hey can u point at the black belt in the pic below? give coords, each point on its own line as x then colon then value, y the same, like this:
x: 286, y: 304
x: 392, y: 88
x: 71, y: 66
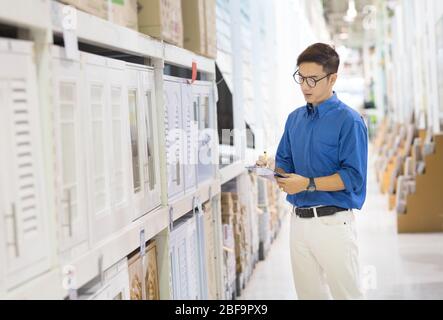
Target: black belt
x: 321, y: 211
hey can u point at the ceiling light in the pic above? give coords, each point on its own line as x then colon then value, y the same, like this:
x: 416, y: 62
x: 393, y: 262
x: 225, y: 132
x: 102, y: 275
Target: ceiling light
x: 351, y: 14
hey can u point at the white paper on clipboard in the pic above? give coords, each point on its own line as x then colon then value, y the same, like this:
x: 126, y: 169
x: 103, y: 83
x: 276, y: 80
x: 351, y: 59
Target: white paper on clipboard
x: 264, y: 172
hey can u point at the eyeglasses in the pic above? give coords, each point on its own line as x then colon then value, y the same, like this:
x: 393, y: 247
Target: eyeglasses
x: 311, y: 82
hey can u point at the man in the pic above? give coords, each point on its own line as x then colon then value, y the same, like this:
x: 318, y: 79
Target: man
x: 323, y: 156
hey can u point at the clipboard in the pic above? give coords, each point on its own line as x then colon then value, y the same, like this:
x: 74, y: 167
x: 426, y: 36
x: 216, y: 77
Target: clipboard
x: 265, y: 172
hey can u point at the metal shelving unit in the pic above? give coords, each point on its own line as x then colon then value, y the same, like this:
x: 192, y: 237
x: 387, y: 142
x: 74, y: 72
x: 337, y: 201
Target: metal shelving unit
x: 185, y: 204
x: 232, y: 171
x: 44, y: 18
x: 22, y: 13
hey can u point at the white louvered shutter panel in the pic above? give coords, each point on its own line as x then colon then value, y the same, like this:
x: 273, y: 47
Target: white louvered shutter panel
x: 209, y: 246
x: 206, y: 109
x: 190, y: 127
x: 193, y: 259
x: 183, y: 269
x: 173, y: 126
x: 25, y: 241
x: 174, y: 264
x: 201, y: 254
x: 180, y: 262
x: 26, y: 210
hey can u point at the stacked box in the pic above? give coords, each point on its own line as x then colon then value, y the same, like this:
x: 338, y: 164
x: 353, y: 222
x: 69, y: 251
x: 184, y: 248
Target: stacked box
x: 199, y: 26
x: 162, y: 19
x: 262, y: 197
x: 226, y: 201
x: 264, y: 232
x: 227, y: 208
x: 242, y: 240
x: 135, y: 278
x: 232, y: 215
x: 124, y: 13
x: 272, y: 207
x: 210, y: 250
x: 237, y: 214
x: 211, y: 28
x: 97, y: 8
x: 253, y: 204
x: 143, y: 274
x: 229, y: 253
x: 151, y: 272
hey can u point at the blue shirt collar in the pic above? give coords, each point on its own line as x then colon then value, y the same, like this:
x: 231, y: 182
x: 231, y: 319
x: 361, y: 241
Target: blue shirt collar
x: 323, y: 107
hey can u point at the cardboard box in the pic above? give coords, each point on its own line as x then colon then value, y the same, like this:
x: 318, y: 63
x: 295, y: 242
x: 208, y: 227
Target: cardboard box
x: 227, y: 220
x: 194, y: 29
x: 226, y: 197
x: 124, y: 13
x: 226, y: 201
x: 135, y: 278
x: 211, y: 29
x: 424, y: 211
x: 162, y: 19
x: 143, y: 274
x: 210, y: 249
x: 151, y: 273
x: 199, y: 27
x: 227, y: 208
x: 97, y: 8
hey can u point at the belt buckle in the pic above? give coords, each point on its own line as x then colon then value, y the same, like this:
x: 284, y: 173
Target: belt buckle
x: 314, y: 209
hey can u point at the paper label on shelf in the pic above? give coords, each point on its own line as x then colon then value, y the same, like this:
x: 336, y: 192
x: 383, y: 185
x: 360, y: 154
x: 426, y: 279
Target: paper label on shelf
x: 142, y: 242
x: 194, y: 72
x: 69, y: 24
x: 71, y: 44
x: 69, y: 18
x: 69, y: 281
x: 200, y: 207
x: 215, y: 92
x: 171, y: 218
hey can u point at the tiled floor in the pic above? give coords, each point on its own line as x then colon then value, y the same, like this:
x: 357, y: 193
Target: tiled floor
x: 405, y: 266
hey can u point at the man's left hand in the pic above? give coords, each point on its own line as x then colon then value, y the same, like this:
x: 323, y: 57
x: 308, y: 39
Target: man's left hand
x: 293, y: 183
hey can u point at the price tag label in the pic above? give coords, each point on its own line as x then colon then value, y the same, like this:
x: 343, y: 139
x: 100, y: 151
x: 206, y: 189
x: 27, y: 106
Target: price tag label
x: 69, y: 24
x: 142, y: 242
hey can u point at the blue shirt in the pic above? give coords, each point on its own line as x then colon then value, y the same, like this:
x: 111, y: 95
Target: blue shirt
x: 321, y: 141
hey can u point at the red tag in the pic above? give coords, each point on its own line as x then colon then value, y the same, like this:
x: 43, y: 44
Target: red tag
x: 194, y: 72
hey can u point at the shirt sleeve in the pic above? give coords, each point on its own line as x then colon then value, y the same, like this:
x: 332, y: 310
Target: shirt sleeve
x: 283, y: 158
x: 353, y: 155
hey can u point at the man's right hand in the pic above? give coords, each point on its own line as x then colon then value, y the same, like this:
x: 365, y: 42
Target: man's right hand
x: 264, y: 161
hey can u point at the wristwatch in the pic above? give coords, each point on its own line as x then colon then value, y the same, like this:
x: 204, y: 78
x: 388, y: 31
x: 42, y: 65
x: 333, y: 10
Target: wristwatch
x: 311, y: 186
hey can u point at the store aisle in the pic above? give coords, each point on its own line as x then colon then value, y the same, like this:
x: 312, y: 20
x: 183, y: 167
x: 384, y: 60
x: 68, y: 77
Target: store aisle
x: 272, y: 278
x: 405, y: 266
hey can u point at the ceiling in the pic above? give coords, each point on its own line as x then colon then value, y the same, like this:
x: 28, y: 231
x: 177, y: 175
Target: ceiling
x: 350, y: 34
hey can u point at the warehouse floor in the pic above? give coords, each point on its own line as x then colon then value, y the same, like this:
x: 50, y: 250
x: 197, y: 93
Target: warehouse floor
x: 405, y: 266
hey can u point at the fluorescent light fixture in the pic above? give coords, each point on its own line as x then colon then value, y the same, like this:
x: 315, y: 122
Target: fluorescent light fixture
x: 351, y: 14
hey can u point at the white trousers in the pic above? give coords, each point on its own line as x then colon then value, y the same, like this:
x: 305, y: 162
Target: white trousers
x: 324, y: 255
